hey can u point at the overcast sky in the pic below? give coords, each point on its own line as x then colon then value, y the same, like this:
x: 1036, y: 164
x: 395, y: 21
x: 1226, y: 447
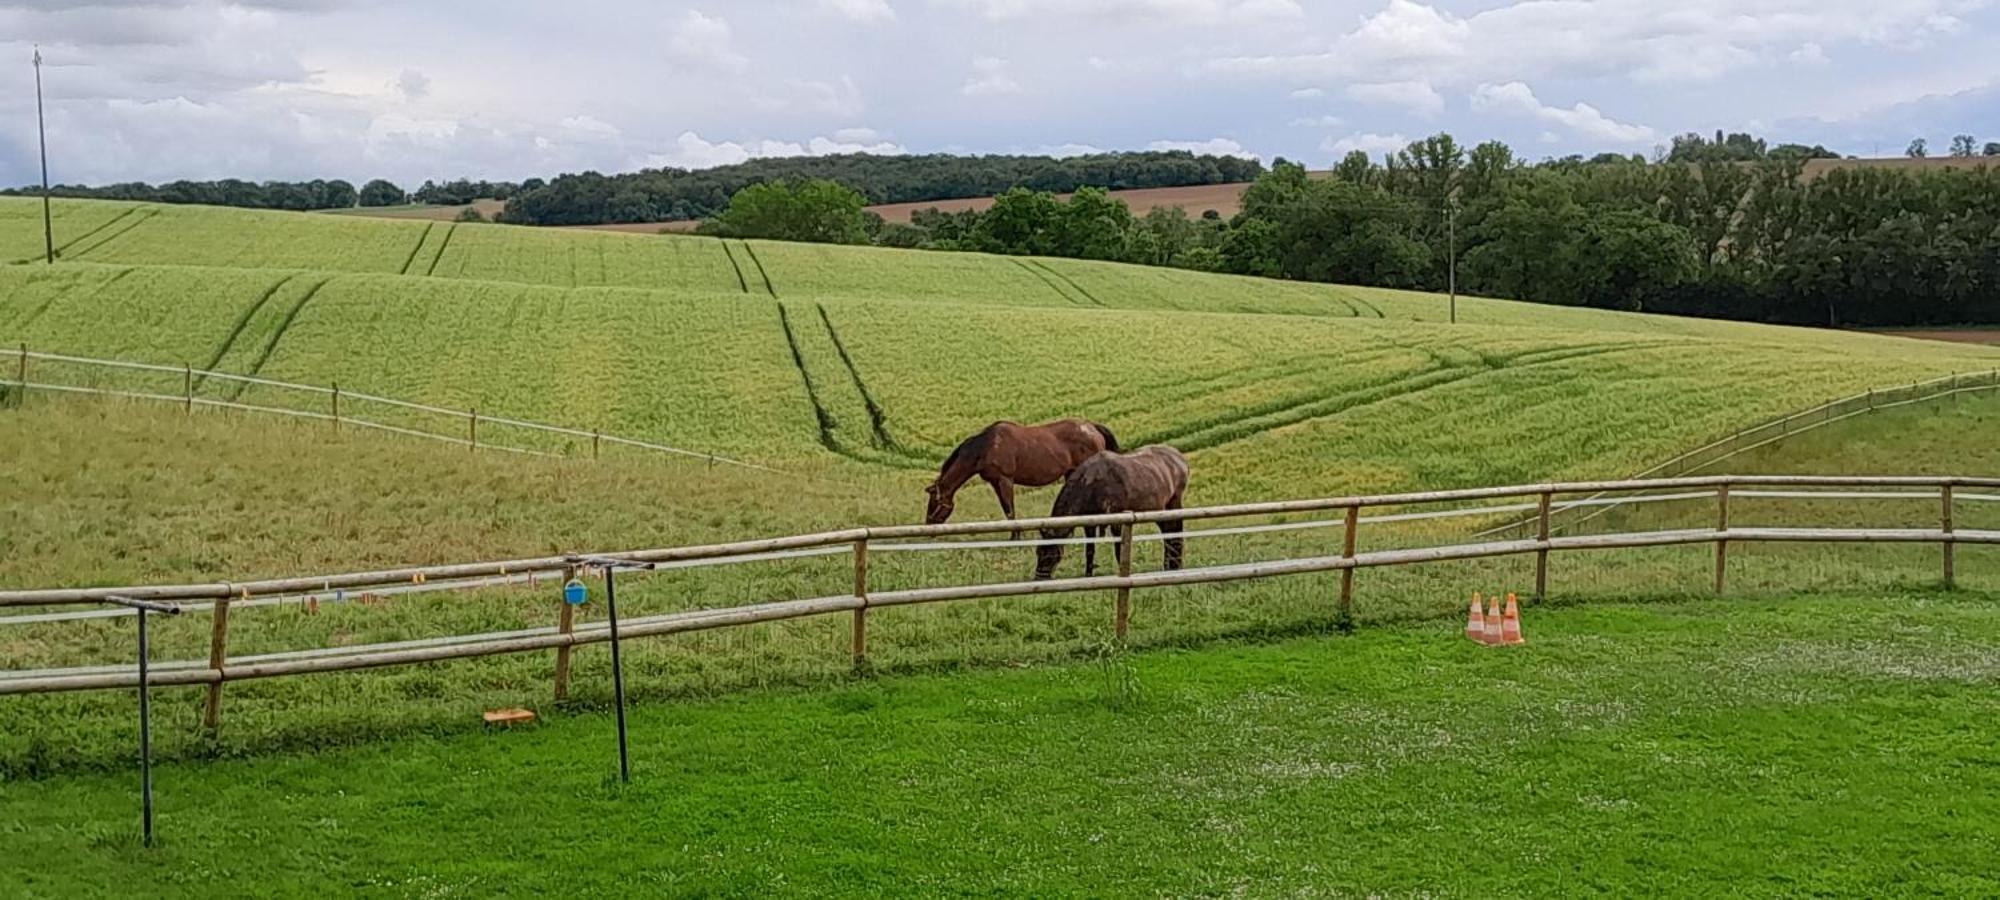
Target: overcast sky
x: 161, y: 89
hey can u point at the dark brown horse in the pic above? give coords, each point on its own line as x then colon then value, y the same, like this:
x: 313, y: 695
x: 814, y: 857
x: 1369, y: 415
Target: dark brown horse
x: 1147, y: 479
x: 1009, y: 453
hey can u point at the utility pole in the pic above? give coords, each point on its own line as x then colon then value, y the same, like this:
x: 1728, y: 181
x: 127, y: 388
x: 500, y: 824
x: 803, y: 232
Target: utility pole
x: 1451, y: 255
x: 42, y: 132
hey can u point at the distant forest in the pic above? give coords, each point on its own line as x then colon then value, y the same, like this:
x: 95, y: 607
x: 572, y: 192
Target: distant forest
x: 664, y: 195
x: 1722, y: 227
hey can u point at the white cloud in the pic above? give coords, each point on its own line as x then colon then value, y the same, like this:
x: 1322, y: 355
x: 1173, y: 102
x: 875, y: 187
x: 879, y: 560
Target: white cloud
x: 1681, y: 42
x: 1415, y: 97
x: 412, y: 84
x: 989, y: 78
x: 1145, y: 12
x: 1311, y: 93
x: 692, y: 151
x: 1808, y: 54
x: 1371, y: 144
x: 1583, y: 119
x: 1318, y: 122
x: 1063, y: 151
x: 867, y: 11
x: 704, y: 40
x: 1210, y: 147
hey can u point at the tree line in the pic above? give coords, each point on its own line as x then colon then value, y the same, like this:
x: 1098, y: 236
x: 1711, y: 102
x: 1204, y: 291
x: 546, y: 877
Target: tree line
x: 1719, y: 228
x: 317, y: 194
x: 669, y: 194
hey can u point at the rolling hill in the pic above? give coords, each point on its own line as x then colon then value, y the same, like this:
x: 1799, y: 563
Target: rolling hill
x: 814, y: 354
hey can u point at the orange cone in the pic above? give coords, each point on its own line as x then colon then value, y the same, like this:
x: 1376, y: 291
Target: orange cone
x: 1490, y: 634
x: 1510, y: 623
x: 1475, y: 620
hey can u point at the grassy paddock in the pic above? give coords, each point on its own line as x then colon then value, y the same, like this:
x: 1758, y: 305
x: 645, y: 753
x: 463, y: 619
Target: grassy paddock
x: 1811, y: 745
x: 375, y: 500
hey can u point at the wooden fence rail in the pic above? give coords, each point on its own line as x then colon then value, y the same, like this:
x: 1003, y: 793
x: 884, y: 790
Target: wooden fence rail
x: 218, y: 669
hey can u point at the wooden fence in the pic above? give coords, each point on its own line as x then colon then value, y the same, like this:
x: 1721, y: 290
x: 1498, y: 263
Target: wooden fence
x: 329, y: 403
x: 220, y: 668
x: 1778, y: 429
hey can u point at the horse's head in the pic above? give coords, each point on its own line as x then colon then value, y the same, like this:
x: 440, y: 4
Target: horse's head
x: 940, y: 506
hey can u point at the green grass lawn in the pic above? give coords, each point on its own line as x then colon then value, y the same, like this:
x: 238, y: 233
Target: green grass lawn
x: 1814, y: 745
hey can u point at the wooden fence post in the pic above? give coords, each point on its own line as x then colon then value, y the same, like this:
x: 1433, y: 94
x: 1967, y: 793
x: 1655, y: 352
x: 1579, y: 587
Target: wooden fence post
x: 1721, y: 545
x: 596, y: 438
x: 1542, y: 555
x: 187, y: 388
x: 472, y: 430
x: 565, y: 624
x: 1123, y: 618
x: 1345, y: 620
x: 860, y: 636
x: 336, y: 406
x: 1950, y: 545
x: 218, y: 653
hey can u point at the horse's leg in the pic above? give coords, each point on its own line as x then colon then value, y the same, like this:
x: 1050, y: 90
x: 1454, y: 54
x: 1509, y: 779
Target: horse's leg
x: 1173, y: 526
x: 1004, y: 489
x: 1090, y: 551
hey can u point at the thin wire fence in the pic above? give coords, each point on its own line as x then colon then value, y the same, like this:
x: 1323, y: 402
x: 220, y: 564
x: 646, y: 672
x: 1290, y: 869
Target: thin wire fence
x: 1567, y: 515
x: 189, y: 388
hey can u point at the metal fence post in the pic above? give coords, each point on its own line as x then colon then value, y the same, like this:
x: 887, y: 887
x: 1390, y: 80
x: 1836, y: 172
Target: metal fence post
x: 1950, y: 544
x: 1345, y: 621
x: 187, y: 388
x: 336, y: 406
x: 860, y: 635
x: 21, y: 375
x: 472, y: 429
x: 1721, y: 544
x: 1542, y: 554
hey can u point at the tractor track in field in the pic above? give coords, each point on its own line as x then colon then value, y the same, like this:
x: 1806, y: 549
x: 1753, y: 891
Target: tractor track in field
x: 1272, y: 416
x: 242, y: 322
x: 116, y: 233
x: 64, y: 292
x: 1044, y: 279
x: 1065, y: 279
x: 276, y: 336
x: 1157, y: 395
x: 878, y: 419
x: 412, y: 258
x: 824, y: 419
x: 1351, y: 300
x: 452, y: 229
x: 761, y: 271
x: 742, y: 284
x: 63, y: 247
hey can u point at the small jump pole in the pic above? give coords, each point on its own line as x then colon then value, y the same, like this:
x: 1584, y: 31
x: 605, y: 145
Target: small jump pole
x: 611, y: 567
x: 145, y: 706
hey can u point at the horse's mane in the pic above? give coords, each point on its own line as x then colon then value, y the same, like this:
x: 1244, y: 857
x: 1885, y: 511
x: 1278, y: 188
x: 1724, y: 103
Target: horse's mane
x: 970, y: 449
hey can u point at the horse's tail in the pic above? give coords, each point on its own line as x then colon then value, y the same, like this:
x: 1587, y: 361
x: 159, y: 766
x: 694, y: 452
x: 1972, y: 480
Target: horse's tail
x: 1110, y: 440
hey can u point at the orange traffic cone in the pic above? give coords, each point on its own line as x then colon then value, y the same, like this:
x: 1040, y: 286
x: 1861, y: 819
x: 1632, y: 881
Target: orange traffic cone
x: 1490, y: 634
x: 1510, y: 623
x: 1475, y: 620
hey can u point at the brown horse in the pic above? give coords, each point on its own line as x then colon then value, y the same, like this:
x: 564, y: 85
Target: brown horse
x: 1147, y: 479
x: 1008, y: 453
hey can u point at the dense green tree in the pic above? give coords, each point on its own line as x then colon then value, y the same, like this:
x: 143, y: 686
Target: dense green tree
x: 814, y: 210
x: 1020, y: 221
x: 1964, y: 145
x: 1918, y: 149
